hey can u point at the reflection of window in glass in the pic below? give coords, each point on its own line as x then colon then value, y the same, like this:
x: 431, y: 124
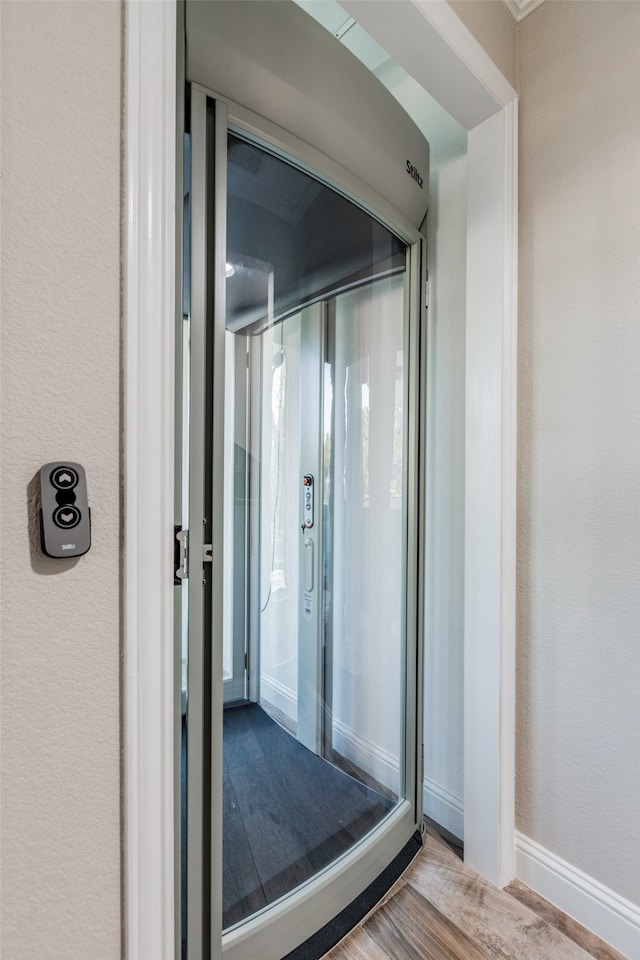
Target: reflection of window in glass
x: 397, y: 474
x: 327, y: 430
x: 364, y: 428
x: 278, y: 400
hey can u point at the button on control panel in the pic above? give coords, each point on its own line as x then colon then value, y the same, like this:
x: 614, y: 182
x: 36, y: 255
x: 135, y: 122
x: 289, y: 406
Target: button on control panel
x: 307, y: 501
x: 65, y: 518
x: 64, y: 478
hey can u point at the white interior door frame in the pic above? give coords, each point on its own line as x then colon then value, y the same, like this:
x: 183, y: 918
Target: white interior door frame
x: 454, y: 69
x: 149, y: 459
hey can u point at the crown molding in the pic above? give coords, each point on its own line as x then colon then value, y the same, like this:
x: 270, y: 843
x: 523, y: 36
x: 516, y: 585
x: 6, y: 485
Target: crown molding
x: 519, y: 9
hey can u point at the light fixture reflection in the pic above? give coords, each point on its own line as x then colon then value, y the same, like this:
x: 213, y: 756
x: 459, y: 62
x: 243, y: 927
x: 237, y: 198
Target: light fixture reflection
x: 228, y: 270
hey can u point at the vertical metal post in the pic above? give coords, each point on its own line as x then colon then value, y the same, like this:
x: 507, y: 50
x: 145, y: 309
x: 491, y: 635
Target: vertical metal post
x: 421, y: 498
x: 195, y: 685
x: 216, y: 261
x: 310, y: 658
x: 413, y: 520
x: 181, y: 405
x: 206, y: 493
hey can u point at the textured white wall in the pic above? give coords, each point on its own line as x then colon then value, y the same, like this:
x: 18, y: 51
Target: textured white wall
x: 578, y: 734
x: 494, y: 28
x: 61, y: 135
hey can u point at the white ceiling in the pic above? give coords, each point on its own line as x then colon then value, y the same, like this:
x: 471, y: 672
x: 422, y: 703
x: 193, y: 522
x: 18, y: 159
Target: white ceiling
x: 519, y: 9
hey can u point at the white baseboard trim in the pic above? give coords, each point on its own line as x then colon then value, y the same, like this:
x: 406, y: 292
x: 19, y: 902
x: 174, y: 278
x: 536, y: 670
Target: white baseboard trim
x: 444, y: 807
x: 599, y: 909
x: 366, y: 754
x: 279, y: 696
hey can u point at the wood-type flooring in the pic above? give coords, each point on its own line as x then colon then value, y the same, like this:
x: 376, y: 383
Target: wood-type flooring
x: 441, y: 910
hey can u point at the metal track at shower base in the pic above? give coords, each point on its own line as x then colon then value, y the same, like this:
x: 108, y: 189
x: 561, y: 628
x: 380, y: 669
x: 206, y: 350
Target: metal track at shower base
x: 334, y: 931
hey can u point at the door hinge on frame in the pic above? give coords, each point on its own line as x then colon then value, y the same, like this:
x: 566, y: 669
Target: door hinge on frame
x: 427, y: 291
x: 180, y: 555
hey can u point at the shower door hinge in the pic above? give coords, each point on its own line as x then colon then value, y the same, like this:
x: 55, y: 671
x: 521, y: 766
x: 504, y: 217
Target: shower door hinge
x: 427, y: 290
x: 180, y: 555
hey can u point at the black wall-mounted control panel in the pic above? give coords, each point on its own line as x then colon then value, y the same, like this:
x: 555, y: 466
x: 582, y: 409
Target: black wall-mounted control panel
x: 65, y: 518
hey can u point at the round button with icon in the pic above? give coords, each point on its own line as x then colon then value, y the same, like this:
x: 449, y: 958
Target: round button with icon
x: 64, y: 478
x: 66, y: 517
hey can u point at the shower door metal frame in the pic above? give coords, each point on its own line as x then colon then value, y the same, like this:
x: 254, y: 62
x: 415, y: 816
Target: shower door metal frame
x: 280, y: 927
